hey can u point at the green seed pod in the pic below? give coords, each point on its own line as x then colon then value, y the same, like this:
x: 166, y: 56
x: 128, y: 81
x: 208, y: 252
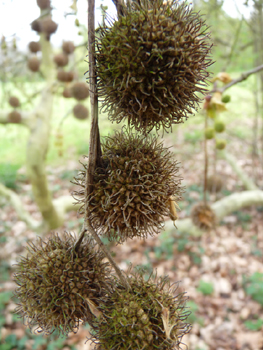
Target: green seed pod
x: 220, y: 144
x: 50, y: 296
x: 140, y: 204
x: 152, y: 62
x: 219, y: 126
x: 148, y: 316
x: 226, y: 98
x: 203, y: 216
x: 209, y: 133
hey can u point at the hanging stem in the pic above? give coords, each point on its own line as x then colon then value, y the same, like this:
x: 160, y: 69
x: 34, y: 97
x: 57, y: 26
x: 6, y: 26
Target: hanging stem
x: 206, y: 162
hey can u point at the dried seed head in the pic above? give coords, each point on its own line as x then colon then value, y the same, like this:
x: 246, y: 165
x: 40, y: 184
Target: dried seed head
x: 132, y: 188
x: 14, y: 117
x: 34, y: 46
x: 14, y: 102
x: 61, y: 60
x: 203, y: 216
x: 148, y: 316
x: 54, y: 282
x: 151, y: 62
x: 68, y: 47
x: 80, y: 91
x: 33, y: 64
x: 80, y: 111
x: 214, y: 183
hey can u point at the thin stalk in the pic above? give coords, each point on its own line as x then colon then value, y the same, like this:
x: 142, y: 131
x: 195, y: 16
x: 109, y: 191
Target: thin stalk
x: 206, y: 163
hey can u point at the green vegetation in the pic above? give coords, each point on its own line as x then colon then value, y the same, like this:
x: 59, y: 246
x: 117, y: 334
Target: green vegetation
x: 205, y: 288
x: 254, y: 287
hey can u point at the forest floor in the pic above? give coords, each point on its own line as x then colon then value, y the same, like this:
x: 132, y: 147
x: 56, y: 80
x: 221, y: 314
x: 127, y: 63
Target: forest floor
x: 221, y: 271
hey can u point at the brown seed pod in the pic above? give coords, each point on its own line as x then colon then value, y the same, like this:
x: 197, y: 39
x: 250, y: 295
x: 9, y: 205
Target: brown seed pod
x: 14, y: 102
x: 67, y: 93
x: 203, y: 216
x: 68, y: 47
x: 33, y: 64
x: 80, y: 111
x: 61, y: 60
x: 14, y: 117
x: 36, y: 25
x: 43, y: 4
x: 80, y: 91
x: 56, y: 283
x: 65, y: 77
x: 214, y: 183
x: 151, y: 315
x: 48, y: 26
x: 34, y: 46
x: 152, y: 62
x: 132, y: 187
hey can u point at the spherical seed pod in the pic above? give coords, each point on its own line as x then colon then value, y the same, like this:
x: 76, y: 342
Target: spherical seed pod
x: 14, y: 101
x: 43, y: 4
x: 61, y: 60
x: 65, y: 77
x: 80, y: 111
x: 226, y: 98
x: 148, y: 316
x: 214, y: 183
x: 209, y: 133
x: 80, y: 91
x: 67, y: 93
x: 220, y: 144
x: 68, y: 47
x: 33, y: 64
x: 14, y: 117
x: 132, y: 187
x: 203, y: 216
x: 36, y: 25
x: 56, y: 283
x: 156, y: 64
x: 34, y: 46
x: 48, y: 26
x: 219, y: 126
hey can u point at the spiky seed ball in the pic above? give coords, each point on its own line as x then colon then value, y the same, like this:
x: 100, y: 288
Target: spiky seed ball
x: 36, y: 25
x: 65, y: 77
x: 34, y: 46
x: 43, y: 4
x: 219, y: 126
x: 80, y: 91
x: 14, y: 101
x: 33, y: 64
x: 152, y: 62
x: 14, y: 117
x: 68, y: 47
x: 220, y: 144
x: 55, y: 283
x: 203, y: 216
x: 67, y: 93
x: 80, y: 111
x: 132, y: 188
x: 209, y: 133
x: 226, y: 98
x: 61, y: 60
x: 214, y: 183
x: 148, y: 316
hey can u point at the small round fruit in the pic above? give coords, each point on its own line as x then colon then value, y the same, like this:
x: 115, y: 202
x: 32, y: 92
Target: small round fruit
x: 61, y: 60
x: 80, y: 111
x: 209, y: 133
x: 68, y: 47
x: 43, y: 4
x: 14, y: 102
x: 67, y: 93
x: 219, y: 126
x: 220, y: 144
x: 14, y: 117
x: 226, y: 98
x: 34, y: 46
x: 65, y: 77
x: 80, y: 91
x: 36, y: 25
x: 33, y: 64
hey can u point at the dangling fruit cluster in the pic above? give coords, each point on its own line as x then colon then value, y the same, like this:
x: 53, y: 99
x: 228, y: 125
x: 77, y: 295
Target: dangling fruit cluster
x: 148, y: 316
x: 55, y: 281
x: 132, y: 188
x: 203, y: 216
x: 152, y: 62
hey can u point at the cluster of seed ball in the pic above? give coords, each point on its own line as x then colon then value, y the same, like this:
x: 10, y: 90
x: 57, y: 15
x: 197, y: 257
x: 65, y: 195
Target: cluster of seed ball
x: 151, y: 64
x: 55, y: 282
x: 132, y: 188
x: 14, y: 116
x: 147, y: 317
x: 203, y: 216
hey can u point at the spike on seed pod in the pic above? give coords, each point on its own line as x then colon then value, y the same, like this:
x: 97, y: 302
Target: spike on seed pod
x: 56, y: 283
x: 219, y: 126
x: 203, y: 216
x: 43, y: 4
x: 34, y: 46
x: 61, y: 60
x: 33, y: 64
x: 209, y: 133
x: 220, y: 144
x: 152, y: 62
x: 131, y: 188
x: 80, y: 111
x: 148, y: 316
x: 214, y: 183
x: 80, y: 91
x: 67, y: 93
x: 68, y: 47
x: 14, y: 102
x: 14, y: 117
